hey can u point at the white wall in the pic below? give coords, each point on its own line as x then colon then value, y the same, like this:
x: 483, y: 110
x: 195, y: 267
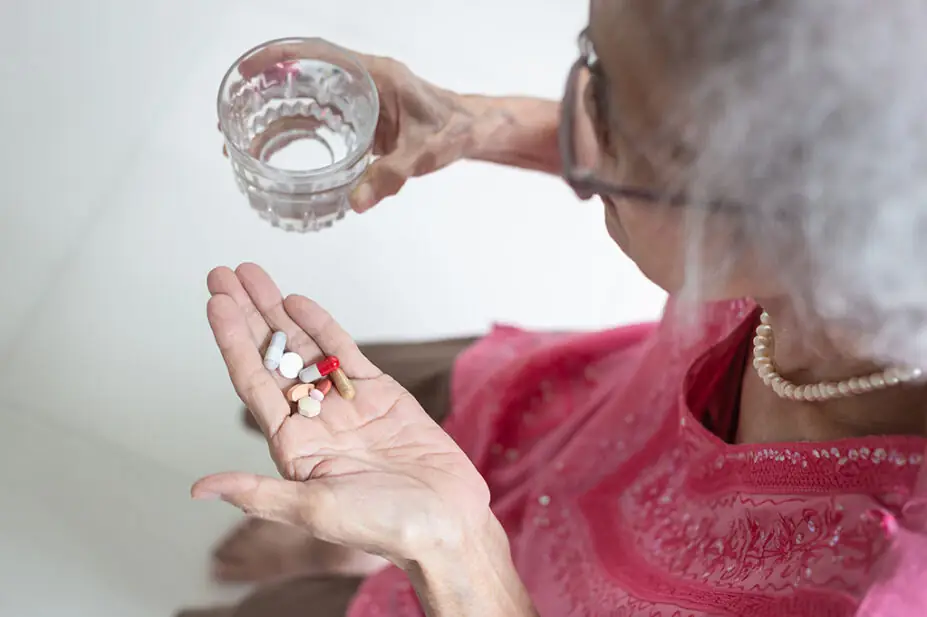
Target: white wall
x: 115, y: 202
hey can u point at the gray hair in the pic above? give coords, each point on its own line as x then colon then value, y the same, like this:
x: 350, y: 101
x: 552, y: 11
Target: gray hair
x: 813, y: 115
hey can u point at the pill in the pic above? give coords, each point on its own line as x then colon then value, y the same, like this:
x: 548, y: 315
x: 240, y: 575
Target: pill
x: 343, y: 384
x: 290, y: 365
x: 275, y: 351
x: 309, y: 407
x: 316, y: 394
x: 324, y: 386
x: 317, y: 371
x: 300, y: 390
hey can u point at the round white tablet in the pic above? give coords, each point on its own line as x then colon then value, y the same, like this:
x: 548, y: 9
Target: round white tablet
x: 290, y: 365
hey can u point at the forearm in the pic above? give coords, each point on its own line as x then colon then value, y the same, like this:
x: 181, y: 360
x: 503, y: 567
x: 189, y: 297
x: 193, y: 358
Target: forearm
x: 474, y: 579
x: 515, y: 131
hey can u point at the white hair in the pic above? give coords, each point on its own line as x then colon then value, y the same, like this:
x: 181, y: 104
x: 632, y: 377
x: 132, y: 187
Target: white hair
x: 812, y: 114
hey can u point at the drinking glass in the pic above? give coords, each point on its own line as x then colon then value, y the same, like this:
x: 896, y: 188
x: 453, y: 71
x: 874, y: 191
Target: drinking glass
x: 298, y: 116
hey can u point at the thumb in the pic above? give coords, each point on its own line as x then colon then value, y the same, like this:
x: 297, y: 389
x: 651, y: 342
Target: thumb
x: 384, y: 178
x: 260, y: 496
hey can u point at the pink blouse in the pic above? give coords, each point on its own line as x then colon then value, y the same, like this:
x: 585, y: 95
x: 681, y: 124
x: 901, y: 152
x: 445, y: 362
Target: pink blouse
x: 618, y: 500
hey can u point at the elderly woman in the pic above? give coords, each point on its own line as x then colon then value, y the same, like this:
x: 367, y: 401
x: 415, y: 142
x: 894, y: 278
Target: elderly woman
x: 758, y: 452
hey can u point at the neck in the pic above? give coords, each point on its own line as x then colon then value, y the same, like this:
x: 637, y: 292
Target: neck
x: 804, y: 359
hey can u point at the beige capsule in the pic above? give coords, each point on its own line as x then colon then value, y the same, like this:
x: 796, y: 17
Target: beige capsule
x: 342, y: 384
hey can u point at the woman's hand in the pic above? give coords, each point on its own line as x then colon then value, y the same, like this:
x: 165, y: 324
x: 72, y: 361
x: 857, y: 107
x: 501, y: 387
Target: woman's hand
x: 375, y: 473
x: 421, y: 127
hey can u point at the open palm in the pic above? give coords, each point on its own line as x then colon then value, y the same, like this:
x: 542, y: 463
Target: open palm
x: 375, y: 473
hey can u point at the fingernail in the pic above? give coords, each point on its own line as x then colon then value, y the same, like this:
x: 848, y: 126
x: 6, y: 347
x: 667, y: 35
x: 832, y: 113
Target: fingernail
x: 362, y: 197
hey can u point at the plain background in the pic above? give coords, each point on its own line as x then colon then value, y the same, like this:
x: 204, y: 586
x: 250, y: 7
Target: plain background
x: 115, y: 204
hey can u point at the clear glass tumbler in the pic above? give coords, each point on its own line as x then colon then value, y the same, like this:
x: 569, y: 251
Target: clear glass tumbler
x: 299, y: 117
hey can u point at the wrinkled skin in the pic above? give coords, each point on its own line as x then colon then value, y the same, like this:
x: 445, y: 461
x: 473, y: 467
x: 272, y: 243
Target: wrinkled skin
x: 375, y: 473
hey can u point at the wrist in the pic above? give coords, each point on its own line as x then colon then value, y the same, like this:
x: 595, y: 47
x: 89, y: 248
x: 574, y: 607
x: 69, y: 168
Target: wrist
x: 473, y: 574
x: 515, y: 131
x: 488, y: 114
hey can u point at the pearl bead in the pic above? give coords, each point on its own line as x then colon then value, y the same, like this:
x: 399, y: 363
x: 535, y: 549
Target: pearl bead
x: 759, y: 361
x: 766, y: 369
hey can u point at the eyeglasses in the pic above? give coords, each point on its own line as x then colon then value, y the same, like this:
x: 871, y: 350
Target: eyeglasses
x: 576, y: 123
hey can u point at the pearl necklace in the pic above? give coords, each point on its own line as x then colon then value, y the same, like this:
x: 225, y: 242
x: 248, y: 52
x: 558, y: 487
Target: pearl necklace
x: 824, y: 391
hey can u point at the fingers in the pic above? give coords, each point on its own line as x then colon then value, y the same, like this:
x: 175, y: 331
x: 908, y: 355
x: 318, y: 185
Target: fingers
x: 383, y: 179
x: 254, y: 384
x: 331, y: 338
x: 266, y: 296
x: 223, y: 280
x: 311, y: 331
x: 286, y: 501
x: 388, y: 174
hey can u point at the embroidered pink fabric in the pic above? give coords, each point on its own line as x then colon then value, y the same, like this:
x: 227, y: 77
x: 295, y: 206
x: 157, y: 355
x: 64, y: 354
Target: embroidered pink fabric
x: 619, y: 501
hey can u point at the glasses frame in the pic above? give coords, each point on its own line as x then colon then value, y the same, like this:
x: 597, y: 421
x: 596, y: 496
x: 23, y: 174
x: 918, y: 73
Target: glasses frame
x: 583, y: 181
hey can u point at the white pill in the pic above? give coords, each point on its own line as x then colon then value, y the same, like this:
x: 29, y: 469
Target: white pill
x: 317, y: 395
x: 290, y: 365
x: 309, y: 407
x: 275, y: 351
